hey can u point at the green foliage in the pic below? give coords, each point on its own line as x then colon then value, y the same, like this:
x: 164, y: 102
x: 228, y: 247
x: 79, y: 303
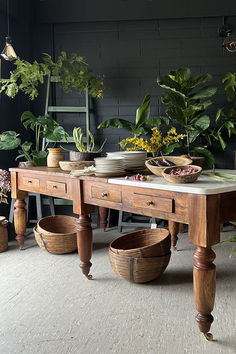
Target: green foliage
x: 78, y: 137
x: 9, y: 140
x: 72, y: 70
x: 141, y: 123
x: 43, y: 127
x: 187, y: 104
x: 229, y: 83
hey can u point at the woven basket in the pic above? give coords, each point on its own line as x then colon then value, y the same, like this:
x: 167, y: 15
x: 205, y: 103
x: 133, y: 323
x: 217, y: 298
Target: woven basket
x: 141, y: 256
x: 191, y: 178
x: 138, y: 270
x: 143, y: 243
x: 57, y: 234
x: 177, y: 160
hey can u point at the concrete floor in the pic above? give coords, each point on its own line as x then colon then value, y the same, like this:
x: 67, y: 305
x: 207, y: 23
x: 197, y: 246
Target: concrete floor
x: 48, y: 307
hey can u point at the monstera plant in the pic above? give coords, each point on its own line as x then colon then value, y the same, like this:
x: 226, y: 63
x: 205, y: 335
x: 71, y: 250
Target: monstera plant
x: 187, y: 104
x: 43, y: 127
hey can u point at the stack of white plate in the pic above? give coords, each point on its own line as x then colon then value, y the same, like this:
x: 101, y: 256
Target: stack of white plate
x: 133, y: 160
x: 109, y: 166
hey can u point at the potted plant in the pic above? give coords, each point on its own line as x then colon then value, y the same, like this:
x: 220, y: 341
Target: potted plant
x: 187, y: 105
x: 86, y: 150
x: 72, y: 70
x: 43, y: 127
x: 141, y: 123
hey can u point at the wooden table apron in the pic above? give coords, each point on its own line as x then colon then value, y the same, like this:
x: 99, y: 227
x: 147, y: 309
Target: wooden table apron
x: 203, y: 213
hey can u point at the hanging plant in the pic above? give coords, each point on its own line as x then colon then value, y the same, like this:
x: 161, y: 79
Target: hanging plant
x: 72, y: 70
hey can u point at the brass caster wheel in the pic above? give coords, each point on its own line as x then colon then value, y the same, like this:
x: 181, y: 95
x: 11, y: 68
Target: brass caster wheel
x: 89, y: 276
x: 209, y: 336
x: 175, y: 248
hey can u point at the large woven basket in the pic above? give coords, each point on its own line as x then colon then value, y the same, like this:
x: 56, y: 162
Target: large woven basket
x: 177, y: 160
x: 143, y: 257
x: 143, y: 243
x: 138, y: 270
x: 57, y: 234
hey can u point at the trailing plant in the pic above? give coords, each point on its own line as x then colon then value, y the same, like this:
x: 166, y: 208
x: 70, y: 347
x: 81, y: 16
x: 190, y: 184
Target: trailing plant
x: 78, y: 137
x: 72, y: 70
x: 43, y: 127
x: 141, y: 123
x: 187, y: 106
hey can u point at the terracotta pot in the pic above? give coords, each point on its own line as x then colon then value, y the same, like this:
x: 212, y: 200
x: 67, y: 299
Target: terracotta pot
x: 54, y: 156
x: 83, y: 156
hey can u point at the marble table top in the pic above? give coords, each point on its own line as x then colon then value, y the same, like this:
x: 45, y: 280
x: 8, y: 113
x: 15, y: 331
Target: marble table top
x: 204, y: 185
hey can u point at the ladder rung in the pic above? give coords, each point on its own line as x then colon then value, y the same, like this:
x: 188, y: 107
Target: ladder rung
x: 55, y: 79
x: 67, y: 109
x: 70, y: 139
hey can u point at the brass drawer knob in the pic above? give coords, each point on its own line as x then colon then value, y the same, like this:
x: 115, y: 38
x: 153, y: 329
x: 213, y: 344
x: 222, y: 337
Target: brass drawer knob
x: 54, y: 186
x: 150, y: 203
x: 104, y: 194
x: 29, y: 181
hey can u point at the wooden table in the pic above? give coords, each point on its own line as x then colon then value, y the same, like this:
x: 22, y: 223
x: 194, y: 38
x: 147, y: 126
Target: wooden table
x: 204, y: 206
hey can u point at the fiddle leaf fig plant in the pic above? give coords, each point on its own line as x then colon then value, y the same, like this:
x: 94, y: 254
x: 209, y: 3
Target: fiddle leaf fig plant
x: 187, y: 105
x: 141, y: 123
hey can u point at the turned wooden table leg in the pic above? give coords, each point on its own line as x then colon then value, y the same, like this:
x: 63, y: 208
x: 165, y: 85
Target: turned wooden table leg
x: 103, y: 215
x: 20, y: 221
x: 174, y: 230
x: 84, y: 242
x: 204, y: 284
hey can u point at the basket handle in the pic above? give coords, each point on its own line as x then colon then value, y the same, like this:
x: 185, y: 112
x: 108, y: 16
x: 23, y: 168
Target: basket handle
x: 43, y: 244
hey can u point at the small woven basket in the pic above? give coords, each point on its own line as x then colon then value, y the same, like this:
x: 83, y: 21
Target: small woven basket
x: 141, y: 256
x: 57, y: 234
x: 190, y: 178
x: 177, y: 160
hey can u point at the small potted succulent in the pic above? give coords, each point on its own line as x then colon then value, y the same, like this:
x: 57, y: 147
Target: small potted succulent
x: 86, y: 150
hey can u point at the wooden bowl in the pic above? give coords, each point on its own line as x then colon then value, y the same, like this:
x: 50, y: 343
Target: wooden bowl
x: 191, y: 178
x: 74, y: 165
x: 177, y: 160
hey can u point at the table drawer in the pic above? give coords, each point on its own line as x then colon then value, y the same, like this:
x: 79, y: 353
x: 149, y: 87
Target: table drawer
x: 153, y: 203
x: 31, y: 183
x: 56, y: 187
x: 110, y: 194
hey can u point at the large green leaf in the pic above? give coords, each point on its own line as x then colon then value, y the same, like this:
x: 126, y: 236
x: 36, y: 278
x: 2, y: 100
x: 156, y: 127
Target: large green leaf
x: 209, y: 160
x: 143, y: 112
x: 169, y: 84
x: 218, y: 114
x: 193, y: 134
x: 222, y: 142
x: 229, y: 83
x: 175, y: 113
x: 199, y: 79
x: 168, y: 149
x: 9, y: 140
x: 202, y: 122
x: 158, y: 121
x: 173, y: 99
x: 139, y: 131
x: 181, y: 75
x: 57, y: 134
x: 205, y: 92
x: 115, y: 123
